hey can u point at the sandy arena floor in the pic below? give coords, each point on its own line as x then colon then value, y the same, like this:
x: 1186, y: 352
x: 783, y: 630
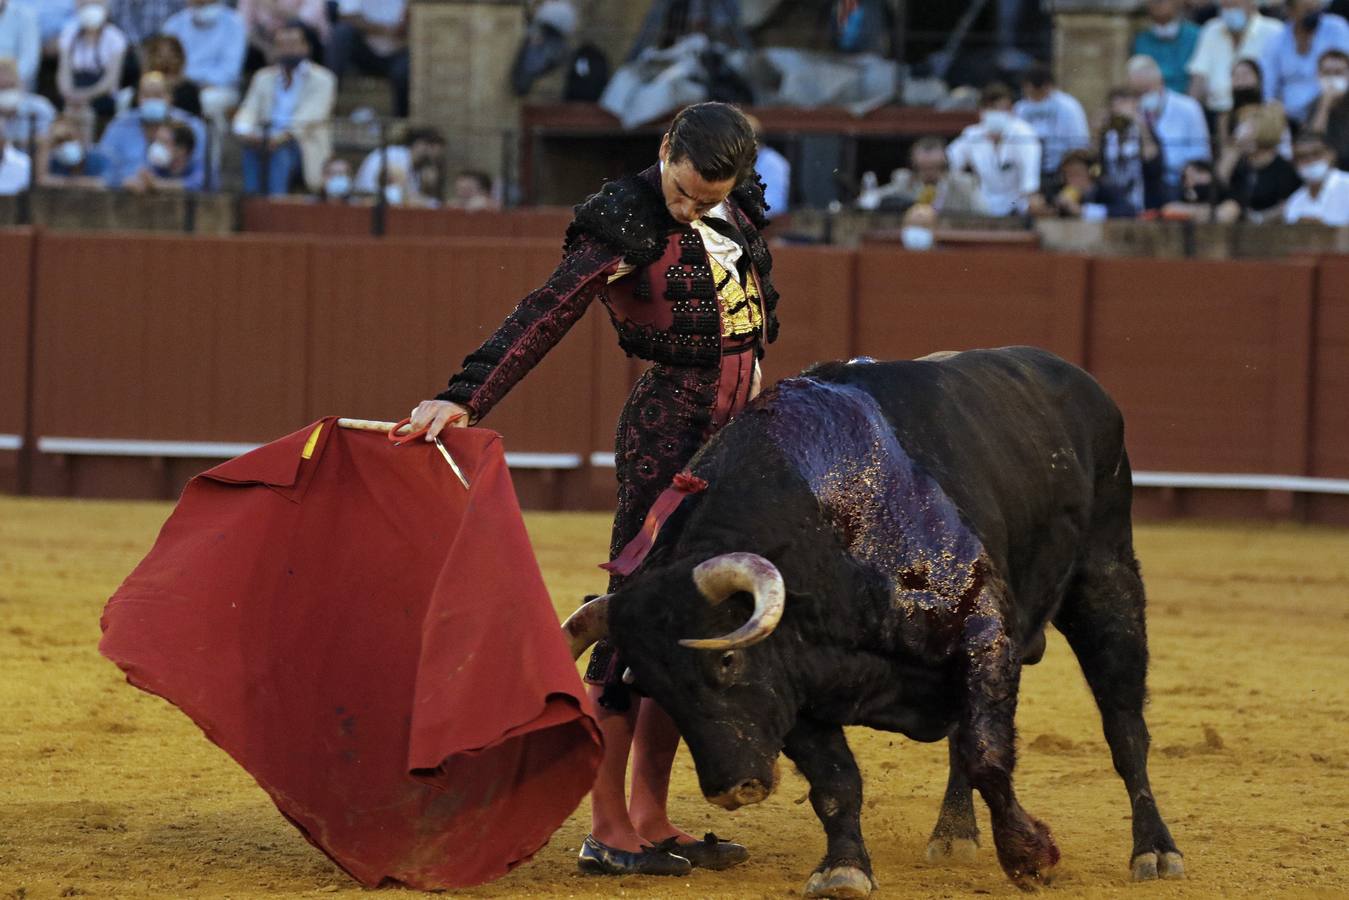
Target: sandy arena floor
x: 111, y: 792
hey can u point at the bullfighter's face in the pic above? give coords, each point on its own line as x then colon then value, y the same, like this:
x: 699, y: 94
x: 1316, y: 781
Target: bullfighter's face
x: 688, y: 195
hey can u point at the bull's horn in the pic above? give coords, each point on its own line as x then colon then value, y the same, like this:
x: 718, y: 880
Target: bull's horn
x: 722, y: 576
x: 587, y: 625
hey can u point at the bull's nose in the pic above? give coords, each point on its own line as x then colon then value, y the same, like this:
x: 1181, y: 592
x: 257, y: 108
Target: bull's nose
x: 746, y: 792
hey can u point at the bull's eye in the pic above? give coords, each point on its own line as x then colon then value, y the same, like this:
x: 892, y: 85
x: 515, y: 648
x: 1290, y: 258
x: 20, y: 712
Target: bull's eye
x: 727, y: 660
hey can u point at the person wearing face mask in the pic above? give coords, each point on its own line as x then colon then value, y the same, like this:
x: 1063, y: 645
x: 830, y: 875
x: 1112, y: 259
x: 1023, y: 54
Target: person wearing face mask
x: 1259, y: 177
x: 402, y: 160
x: 1129, y: 156
x: 65, y: 160
x: 126, y: 139
x: 1238, y: 32
x: 337, y: 183
x: 215, y: 42
x: 284, y: 119
x: 1001, y: 151
x: 29, y: 115
x: 1201, y: 193
x: 1055, y: 115
x: 170, y: 163
x: 918, y: 228
x: 1082, y: 194
x: 1290, y: 60
x: 90, y: 65
x: 16, y: 167
x: 1176, y: 121
x: 164, y: 54
x: 1324, y: 195
x: 1170, y: 39
x: 1330, y: 112
x: 20, y: 40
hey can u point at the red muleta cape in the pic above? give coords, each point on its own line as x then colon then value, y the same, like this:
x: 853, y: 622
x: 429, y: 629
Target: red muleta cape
x: 374, y: 644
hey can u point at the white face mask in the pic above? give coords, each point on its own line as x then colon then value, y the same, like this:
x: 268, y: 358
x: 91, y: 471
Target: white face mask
x: 393, y: 194
x: 995, y: 120
x: 1314, y: 173
x: 1235, y: 19
x: 337, y: 186
x: 1150, y: 102
x: 1334, y: 84
x: 159, y: 155
x: 69, y: 153
x: 93, y: 16
x: 10, y: 100
x: 1167, y: 32
x: 916, y: 238
x: 154, y: 109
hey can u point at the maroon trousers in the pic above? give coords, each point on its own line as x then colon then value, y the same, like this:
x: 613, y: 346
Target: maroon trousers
x: 671, y: 412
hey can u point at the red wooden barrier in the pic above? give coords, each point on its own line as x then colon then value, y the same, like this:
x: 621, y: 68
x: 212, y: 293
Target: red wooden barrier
x: 16, y: 248
x: 289, y: 217
x: 546, y: 222
x: 1330, y: 392
x: 818, y: 287
x: 911, y: 304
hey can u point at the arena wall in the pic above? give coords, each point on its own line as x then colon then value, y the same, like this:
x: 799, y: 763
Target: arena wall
x: 153, y: 357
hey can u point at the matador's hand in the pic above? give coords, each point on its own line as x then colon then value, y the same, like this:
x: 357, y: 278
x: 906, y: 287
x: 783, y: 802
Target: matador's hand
x: 436, y: 415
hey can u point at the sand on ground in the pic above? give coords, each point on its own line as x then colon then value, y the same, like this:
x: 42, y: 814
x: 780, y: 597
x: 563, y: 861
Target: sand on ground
x: 110, y: 792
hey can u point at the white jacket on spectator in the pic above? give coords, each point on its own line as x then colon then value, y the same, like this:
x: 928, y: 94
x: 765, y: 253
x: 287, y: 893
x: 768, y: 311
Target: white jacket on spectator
x: 1330, y: 206
x: 1008, y: 169
x: 1216, y: 53
x: 309, y: 121
x: 1181, y: 128
x: 1060, y: 122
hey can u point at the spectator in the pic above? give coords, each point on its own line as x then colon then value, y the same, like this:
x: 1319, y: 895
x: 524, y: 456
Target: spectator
x: 284, y: 120
x: 170, y: 162
x: 1290, y: 59
x: 473, y: 192
x: 51, y: 15
x: 20, y: 40
x: 1259, y: 177
x: 264, y: 18
x: 1001, y: 151
x: 28, y: 115
x: 1131, y: 160
x: 1248, y: 98
x: 918, y: 228
x: 16, y: 169
x: 372, y: 37
x: 1057, y: 117
x: 1200, y: 194
x: 127, y: 138
x: 66, y: 160
x: 1176, y: 121
x: 1169, y: 41
x: 1324, y: 195
x: 141, y: 20
x: 774, y: 171
x: 1239, y: 32
x: 214, y: 41
x: 1330, y: 111
x: 928, y: 181
x: 400, y: 163
x: 164, y: 54
x: 1083, y: 195
x: 92, y: 53
x: 336, y: 187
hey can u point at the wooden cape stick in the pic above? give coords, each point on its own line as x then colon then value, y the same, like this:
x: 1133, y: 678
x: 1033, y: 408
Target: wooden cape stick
x: 387, y: 427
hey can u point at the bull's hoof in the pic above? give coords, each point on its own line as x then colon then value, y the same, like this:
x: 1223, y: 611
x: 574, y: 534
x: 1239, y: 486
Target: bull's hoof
x: 1151, y: 866
x: 843, y: 881
x: 952, y: 851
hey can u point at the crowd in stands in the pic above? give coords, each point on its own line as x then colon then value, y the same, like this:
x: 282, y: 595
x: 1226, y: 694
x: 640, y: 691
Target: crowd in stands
x: 142, y: 95
x: 1230, y: 111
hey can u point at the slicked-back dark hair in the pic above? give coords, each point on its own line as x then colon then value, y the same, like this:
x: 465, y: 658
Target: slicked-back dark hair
x: 716, y: 139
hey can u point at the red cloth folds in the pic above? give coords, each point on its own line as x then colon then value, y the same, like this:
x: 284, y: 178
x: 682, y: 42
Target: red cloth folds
x: 375, y: 645
x: 635, y: 551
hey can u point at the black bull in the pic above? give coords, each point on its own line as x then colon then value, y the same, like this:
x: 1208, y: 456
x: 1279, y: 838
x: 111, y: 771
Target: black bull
x: 885, y: 544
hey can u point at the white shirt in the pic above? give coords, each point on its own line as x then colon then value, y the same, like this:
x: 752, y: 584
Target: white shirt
x: 381, y: 12
x: 1060, y: 122
x: 1181, y: 129
x: 367, y: 176
x: 15, y: 170
x: 1008, y: 170
x: 1330, y: 207
x: 1216, y: 53
x: 95, y: 55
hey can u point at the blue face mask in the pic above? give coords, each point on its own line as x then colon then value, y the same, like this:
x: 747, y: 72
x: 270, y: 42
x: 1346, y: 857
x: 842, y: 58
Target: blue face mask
x: 1235, y: 19
x: 337, y: 186
x: 154, y: 109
